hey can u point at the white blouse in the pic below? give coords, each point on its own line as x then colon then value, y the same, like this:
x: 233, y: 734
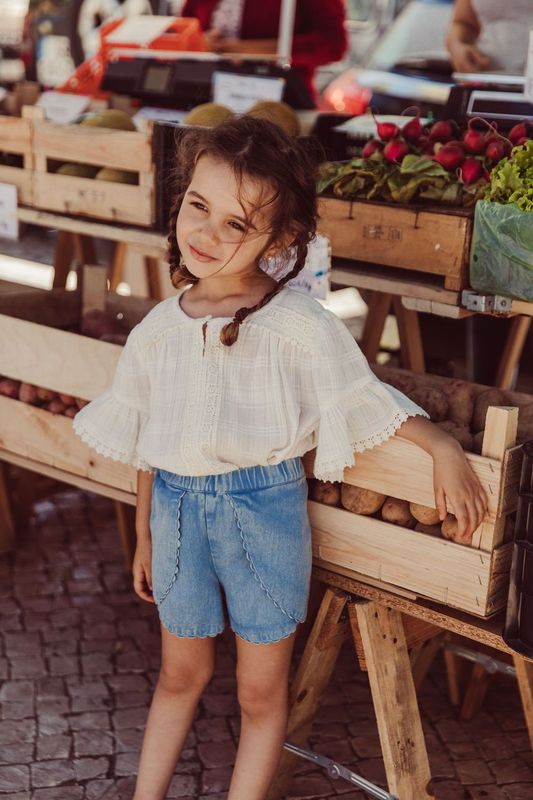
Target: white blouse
x: 295, y: 379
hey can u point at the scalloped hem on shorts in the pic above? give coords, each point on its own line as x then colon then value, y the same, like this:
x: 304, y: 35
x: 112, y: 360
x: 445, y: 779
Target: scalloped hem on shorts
x: 191, y: 633
x: 266, y: 641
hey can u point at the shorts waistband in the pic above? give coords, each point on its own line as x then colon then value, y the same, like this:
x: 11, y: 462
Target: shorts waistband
x: 238, y: 480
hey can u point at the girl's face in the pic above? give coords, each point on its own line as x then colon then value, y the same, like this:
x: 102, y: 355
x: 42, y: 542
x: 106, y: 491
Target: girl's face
x: 212, y: 230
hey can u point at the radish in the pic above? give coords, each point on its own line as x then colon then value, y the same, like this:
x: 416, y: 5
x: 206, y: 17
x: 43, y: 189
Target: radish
x: 412, y: 130
x: 471, y: 170
x: 442, y: 131
x: 497, y: 149
x: 450, y: 155
x: 371, y: 147
x: 474, y: 141
x: 386, y: 130
x: 395, y: 150
x: 522, y: 130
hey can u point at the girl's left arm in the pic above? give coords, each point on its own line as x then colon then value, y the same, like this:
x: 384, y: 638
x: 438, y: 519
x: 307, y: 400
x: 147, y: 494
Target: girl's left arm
x: 453, y: 478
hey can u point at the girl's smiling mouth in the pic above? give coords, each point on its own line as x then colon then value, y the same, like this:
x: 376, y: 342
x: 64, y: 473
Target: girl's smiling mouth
x: 199, y: 255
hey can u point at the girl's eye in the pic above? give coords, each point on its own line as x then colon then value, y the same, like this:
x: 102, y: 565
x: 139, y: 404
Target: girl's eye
x: 237, y: 226
x: 198, y: 205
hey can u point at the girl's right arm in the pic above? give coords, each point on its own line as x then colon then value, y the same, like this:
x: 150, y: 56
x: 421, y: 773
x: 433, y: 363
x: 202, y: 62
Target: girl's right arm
x: 461, y: 37
x: 142, y: 562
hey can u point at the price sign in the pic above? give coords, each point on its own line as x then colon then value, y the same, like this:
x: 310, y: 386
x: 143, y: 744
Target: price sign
x: 9, y: 224
x: 241, y: 92
x: 528, y: 89
x: 63, y: 107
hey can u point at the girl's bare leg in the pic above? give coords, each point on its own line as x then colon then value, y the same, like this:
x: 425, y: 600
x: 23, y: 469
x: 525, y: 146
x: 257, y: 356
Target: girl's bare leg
x: 262, y: 681
x: 186, y: 668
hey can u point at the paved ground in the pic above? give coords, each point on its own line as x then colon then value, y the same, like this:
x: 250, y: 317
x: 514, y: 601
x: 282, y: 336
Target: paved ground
x: 79, y: 656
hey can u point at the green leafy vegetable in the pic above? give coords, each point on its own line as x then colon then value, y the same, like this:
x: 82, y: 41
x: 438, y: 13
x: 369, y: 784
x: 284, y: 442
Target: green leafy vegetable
x: 511, y: 181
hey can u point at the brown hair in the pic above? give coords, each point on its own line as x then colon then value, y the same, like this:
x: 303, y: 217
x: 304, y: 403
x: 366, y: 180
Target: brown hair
x: 261, y: 150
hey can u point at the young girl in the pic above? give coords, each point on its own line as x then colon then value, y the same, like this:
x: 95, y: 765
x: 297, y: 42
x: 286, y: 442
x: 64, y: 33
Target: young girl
x: 218, y: 393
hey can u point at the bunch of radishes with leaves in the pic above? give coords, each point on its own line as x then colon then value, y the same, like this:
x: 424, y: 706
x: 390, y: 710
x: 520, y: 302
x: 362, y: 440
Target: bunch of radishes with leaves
x: 435, y: 163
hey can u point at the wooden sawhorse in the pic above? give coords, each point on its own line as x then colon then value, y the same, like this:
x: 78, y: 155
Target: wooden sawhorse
x: 383, y: 627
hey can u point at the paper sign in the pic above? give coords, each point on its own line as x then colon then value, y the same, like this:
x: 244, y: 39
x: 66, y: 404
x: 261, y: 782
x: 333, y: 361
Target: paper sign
x: 9, y: 224
x: 240, y: 92
x: 313, y: 279
x: 63, y: 107
x: 140, y: 30
x: 528, y: 89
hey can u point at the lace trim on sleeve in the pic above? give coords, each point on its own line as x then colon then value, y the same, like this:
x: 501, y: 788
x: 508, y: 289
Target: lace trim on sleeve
x: 106, y: 450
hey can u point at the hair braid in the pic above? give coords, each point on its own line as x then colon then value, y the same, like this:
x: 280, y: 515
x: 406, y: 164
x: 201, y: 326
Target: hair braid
x: 230, y: 332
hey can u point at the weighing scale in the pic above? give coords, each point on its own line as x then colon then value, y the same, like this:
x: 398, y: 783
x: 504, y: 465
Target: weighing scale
x: 496, y: 98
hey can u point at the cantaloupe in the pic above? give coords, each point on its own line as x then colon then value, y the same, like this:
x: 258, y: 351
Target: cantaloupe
x: 78, y: 170
x: 109, y: 118
x: 116, y: 175
x: 209, y: 115
x: 280, y: 113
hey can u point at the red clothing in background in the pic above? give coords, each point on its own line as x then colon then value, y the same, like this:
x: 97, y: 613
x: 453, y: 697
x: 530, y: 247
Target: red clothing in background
x: 319, y: 33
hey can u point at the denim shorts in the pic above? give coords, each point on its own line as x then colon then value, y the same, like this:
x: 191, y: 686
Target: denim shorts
x: 234, y: 546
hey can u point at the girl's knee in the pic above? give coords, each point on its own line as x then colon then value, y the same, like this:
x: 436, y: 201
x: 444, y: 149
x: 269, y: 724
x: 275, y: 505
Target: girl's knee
x: 185, y: 679
x: 258, y: 699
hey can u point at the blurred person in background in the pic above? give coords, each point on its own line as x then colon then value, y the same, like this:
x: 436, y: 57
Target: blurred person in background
x: 251, y: 26
x: 490, y: 35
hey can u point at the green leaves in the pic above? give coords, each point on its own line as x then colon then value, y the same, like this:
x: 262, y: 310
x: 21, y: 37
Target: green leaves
x: 511, y: 181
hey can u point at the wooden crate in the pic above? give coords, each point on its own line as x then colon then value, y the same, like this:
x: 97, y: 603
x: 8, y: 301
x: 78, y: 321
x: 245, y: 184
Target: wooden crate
x: 472, y: 578
x: 102, y: 147
x: 435, y: 242
x: 15, y: 139
x: 66, y: 362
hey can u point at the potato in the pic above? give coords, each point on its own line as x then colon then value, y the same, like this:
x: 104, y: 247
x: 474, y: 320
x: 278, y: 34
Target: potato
x: 449, y: 528
x: 525, y: 423
x: 460, y: 397
x: 431, y: 530
x: 431, y: 400
x: 424, y: 514
x: 67, y: 399
x: 45, y: 394
x: 55, y: 406
x: 404, y: 383
x: 397, y: 512
x: 490, y: 397
x: 28, y: 394
x: 326, y: 492
x: 361, y: 501
x: 71, y: 411
x: 459, y: 432
x: 9, y: 388
x: 80, y: 402
x: 477, y: 442
x: 96, y: 323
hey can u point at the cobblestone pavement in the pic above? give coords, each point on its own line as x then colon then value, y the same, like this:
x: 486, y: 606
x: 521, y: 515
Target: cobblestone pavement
x: 79, y: 656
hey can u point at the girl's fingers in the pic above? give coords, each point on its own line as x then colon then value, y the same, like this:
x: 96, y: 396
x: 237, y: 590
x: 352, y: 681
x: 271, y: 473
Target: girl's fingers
x: 140, y: 584
x: 440, y: 502
x: 462, y: 516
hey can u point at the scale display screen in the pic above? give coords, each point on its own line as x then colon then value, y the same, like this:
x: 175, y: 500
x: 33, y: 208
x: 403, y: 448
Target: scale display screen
x: 499, y: 105
x: 157, y: 78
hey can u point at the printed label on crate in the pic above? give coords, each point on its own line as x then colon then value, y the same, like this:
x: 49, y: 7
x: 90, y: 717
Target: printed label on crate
x: 63, y: 107
x: 240, y: 92
x: 9, y: 224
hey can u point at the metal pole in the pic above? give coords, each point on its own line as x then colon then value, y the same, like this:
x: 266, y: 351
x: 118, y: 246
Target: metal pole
x: 286, y: 32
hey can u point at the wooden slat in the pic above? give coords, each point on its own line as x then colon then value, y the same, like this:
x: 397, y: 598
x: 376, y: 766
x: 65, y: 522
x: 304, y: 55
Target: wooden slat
x: 100, y: 199
x: 423, y: 241
x: 50, y: 440
x: 68, y: 477
x: 129, y: 150
x: 55, y: 359
x: 22, y: 179
x: 453, y: 574
x: 399, y: 468
x: 15, y: 135
x: 57, y: 307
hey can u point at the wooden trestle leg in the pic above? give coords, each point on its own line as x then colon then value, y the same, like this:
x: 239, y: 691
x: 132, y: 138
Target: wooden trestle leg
x: 318, y: 660
x: 393, y: 694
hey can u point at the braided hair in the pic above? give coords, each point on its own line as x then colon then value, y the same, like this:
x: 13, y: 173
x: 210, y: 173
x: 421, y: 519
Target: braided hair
x: 260, y: 150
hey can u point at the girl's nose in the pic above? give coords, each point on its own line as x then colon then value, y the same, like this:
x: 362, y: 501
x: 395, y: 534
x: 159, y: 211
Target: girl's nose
x: 208, y: 232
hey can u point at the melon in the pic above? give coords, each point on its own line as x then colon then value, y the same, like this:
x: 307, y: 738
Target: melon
x: 208, y: 114
x: 78, y: 170
x: 116, y: 175
x: 109, y: 118
x: 278, y: 112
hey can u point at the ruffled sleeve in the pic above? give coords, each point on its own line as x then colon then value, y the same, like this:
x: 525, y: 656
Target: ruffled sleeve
x: 357, y: 411
x: 112, y: 423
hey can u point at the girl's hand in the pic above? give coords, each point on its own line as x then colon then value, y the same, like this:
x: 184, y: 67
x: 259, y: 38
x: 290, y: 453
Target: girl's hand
x: 142, y: 569
x: 455, y: 482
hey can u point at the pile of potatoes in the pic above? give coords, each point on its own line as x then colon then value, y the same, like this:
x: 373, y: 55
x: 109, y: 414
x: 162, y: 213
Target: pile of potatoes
x: 459, y: 410
x: 398, y: 512
x: 51, y: 401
